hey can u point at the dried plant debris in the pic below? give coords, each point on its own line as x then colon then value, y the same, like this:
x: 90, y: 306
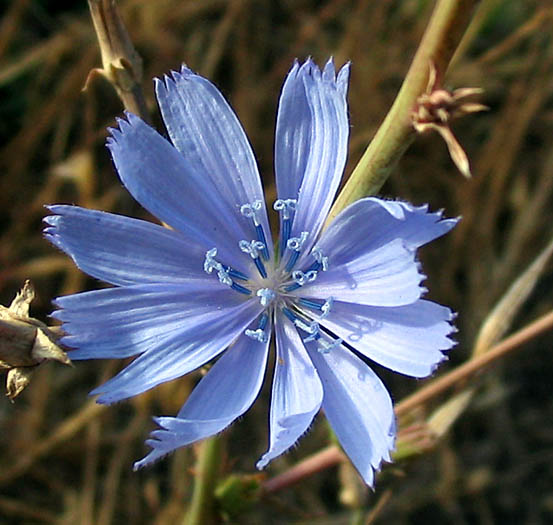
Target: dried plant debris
x: 25, y: 342
x: 436, y: 107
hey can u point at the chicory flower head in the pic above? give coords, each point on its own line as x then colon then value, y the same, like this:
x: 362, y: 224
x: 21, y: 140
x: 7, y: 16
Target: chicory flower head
x: 215, y: 285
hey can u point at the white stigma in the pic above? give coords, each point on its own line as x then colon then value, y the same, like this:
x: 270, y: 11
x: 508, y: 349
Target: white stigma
x: 258, y: 335
x: 295, y: 243
x: 301, y: 278
x: 252, y: 211
x: 312, y: 329
x: 320, y: 258
x: 326, y: 307
x: 285, y: 206
x: 325, y: 348
x: 211, y: 264
x: 252, y: 248
x: 266, y: 296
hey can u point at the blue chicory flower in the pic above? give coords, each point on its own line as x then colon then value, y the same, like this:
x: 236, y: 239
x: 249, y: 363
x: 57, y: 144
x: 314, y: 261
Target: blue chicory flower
x: 216, y: 286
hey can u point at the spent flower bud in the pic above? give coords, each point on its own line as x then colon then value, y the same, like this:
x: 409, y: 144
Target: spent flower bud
x: 436, y: 107
x: 25, y: 342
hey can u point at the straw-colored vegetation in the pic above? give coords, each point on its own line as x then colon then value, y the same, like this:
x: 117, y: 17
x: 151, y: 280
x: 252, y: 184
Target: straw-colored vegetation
x: 478, y: 455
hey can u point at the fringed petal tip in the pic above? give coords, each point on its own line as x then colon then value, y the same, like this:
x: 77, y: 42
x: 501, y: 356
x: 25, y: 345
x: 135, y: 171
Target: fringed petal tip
x: 50, y: 235
x: 379, y: 462
x: 166, y: 82
x: 292, y: 429
x: 149, y: 459
x: 106, y: 398
x: 125, y: 124
x: 175, y: 77
x: 410, y: 214
x: 51, y: 221
x: 174, y: 433
x: 52, y: 226
x: 156, y: 453
x: 162, y: 443
x: 309, y: 69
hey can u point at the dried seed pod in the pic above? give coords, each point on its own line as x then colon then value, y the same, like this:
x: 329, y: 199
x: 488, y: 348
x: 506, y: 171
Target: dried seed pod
x: 436, y: 107
x: 25, y: 342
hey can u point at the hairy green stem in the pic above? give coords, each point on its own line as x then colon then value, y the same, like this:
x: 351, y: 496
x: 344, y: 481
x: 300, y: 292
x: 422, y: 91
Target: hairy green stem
x: 449, y: 20
x: 201, y: 507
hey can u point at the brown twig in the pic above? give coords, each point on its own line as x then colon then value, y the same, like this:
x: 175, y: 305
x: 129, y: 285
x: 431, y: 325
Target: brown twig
x: 476, y: 365
x: 328, y: 457
x: 121, y: 64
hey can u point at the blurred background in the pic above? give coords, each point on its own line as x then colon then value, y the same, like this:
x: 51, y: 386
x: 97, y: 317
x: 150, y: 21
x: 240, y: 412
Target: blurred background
x: 64, y: 460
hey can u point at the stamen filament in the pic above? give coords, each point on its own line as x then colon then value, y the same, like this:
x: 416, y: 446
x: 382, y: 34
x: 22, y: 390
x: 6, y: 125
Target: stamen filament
x: 295, y: 244
x: 315, y: 267
x: 284, y: 207
x: 288, y: 313
x: 286, y: 229
x: 324, y: 308
x: 261, y: 238
x: 259, y: 333
x: 235, y: 274
x: 260, y: 266
x: 240, y: 288
x: 292, y: 261
x: 310, y: 303
x: 253, y: 248
x: 263, y: 322
x: 320, y: 258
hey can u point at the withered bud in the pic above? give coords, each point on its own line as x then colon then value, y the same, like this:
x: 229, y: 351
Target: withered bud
x: 25, y: 342
x: 17, y: 380
x: 436, y: 107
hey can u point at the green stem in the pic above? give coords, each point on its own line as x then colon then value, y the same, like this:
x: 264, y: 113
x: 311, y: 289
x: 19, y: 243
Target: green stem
x: 201, y: 507
x: 443, y: 33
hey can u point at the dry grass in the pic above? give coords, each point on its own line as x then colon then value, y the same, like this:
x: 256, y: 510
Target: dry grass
x: 67, y: 461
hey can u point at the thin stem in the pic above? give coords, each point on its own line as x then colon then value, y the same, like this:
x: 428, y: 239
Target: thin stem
x: 449, y: 20
x: 332, y: 455
x: 201, y: 507
x: 121, y: 64
x: 322, y: 460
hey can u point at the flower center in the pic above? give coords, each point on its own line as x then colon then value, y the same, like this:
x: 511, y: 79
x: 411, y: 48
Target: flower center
x: 274, y: 281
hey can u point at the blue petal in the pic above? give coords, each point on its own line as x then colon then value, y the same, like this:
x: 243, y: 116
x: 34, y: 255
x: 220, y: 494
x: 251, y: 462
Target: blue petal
x: 297, y: 391
x: 293, y: 134
x: 319, y: 135
x: 172, y: 189
x: 224, y: 394
x: 121, y: 322
x: 371, y: 248
x: 387, y: 276
x: 181, y: 353
x: 358, y: 407
x: 122, y: 251
x: 204, y: 128
x: 370, y: 223
x: 407, y: 339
